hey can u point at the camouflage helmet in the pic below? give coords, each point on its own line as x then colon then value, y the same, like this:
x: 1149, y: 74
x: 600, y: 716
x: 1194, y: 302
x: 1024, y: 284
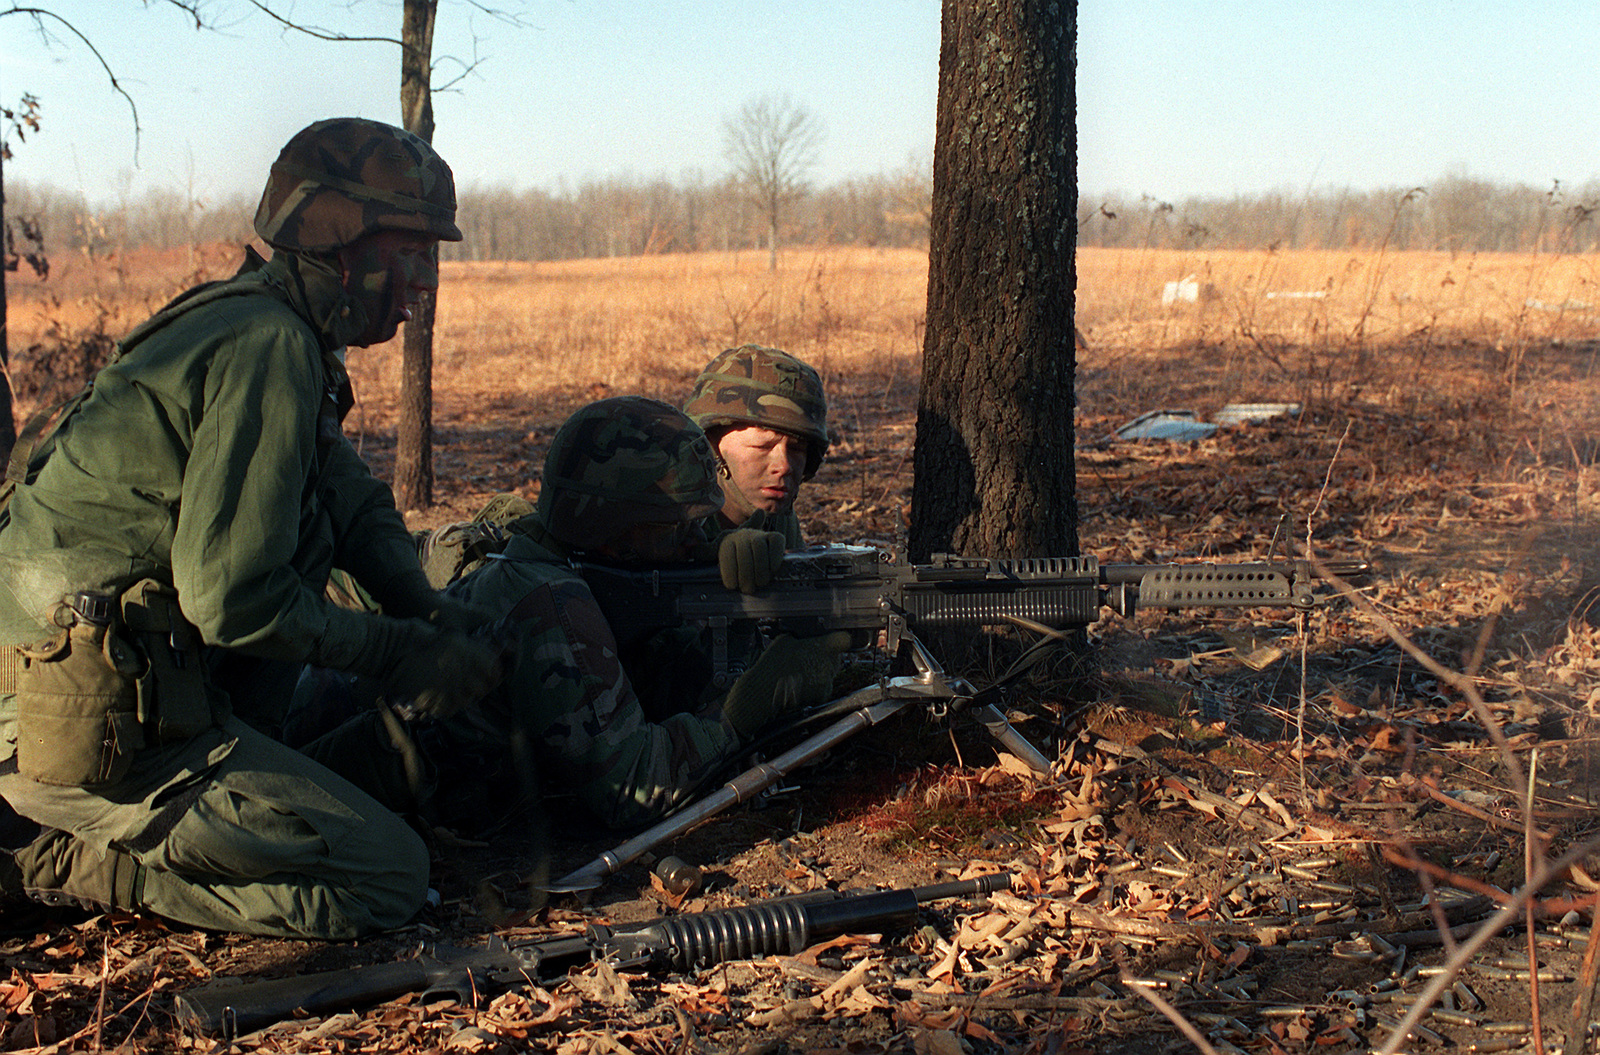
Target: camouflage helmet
x: 752, y: 385
x: 624, y: 461
x: 339, y: 179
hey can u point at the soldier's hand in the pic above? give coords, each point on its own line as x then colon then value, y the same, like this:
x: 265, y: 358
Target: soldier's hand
x: 749, y: 555
x: 448, y: 613
x: 445, y: 674
x: 794, y: 673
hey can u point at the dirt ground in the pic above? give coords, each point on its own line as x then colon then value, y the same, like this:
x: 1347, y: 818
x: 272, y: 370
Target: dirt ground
x: 1267, y: 822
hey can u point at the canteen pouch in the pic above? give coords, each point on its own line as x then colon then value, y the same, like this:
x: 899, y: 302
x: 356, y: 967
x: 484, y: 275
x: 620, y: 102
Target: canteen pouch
x: 77, y: 707
x: 174, y: 692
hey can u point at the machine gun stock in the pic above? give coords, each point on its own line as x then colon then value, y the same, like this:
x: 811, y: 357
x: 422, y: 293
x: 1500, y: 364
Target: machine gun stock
x: 686, y: 942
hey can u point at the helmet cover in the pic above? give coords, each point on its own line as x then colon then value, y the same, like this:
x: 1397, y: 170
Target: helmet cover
x: 346, y: 177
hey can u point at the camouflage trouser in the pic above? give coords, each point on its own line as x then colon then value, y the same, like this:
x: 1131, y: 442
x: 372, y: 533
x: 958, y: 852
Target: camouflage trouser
x: 229, y: 830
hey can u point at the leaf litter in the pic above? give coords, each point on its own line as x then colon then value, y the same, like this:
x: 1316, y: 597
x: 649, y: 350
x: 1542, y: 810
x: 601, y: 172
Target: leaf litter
x: 1280, y: 828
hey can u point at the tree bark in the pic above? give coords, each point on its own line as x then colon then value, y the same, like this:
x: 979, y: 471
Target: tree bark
x: 994, y: 471
x: 8, y: 422
x: 413, y: 461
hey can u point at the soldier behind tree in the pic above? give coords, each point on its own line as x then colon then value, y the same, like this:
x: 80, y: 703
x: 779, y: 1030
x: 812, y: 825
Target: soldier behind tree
x: 767, y: 418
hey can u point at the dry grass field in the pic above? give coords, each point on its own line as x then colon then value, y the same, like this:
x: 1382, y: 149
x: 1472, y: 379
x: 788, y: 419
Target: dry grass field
x: 1247, y: 809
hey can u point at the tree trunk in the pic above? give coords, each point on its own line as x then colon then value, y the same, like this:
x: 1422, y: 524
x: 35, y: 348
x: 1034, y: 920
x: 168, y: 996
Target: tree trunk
x: 413, y: 460
x: 8, y: 423
x: 994, y: 472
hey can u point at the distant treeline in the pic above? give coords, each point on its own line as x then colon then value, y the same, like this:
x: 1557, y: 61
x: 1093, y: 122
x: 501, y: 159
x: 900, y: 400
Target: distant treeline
x: 628, y: 217
x: 1455, y: 214
x: 612, y: 217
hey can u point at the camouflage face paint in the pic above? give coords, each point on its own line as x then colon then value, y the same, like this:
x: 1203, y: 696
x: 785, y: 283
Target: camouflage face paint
x: 655, y: 543
x: 385, y: 273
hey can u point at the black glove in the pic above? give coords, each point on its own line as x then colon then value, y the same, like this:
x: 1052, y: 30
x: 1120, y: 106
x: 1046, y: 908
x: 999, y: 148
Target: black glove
x: 411, y: 597
x: 444, y: 674
x: 794, y: 673
x: 449, y: 613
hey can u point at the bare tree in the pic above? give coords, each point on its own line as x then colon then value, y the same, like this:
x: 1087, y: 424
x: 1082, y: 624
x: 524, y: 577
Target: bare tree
x: 413, y: 470
x: 23, y: 118
x: 772, y: 144
x: 994, y: 447
x: 26, y: 116
x: 413, y: 462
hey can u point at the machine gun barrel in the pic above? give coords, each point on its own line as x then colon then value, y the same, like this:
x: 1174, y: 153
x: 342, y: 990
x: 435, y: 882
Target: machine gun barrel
x: 858, y: 588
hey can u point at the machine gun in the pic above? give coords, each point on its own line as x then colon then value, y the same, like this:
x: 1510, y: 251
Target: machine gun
x: 779, y: 926
x: 862, y: 589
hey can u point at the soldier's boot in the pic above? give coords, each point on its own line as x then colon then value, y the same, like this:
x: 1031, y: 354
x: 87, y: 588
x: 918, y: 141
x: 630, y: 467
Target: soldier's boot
x: 58, y: 869
x: 16, y: 832
x: 11, y: 888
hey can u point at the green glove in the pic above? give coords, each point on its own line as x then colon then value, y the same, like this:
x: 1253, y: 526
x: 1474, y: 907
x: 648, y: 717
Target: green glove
x: 749, y: 555
x: 792, y: 674
x: 444, y: 674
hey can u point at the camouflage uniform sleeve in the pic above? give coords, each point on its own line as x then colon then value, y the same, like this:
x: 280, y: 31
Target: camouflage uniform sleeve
x: 570, y: 695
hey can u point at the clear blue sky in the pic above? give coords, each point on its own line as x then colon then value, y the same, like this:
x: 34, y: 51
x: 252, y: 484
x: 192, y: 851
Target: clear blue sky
x: 1175, y: 98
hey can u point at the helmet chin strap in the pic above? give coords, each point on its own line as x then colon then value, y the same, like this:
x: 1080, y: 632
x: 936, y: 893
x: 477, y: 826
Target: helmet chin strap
x: 733, y: 499
x: 341, y: 316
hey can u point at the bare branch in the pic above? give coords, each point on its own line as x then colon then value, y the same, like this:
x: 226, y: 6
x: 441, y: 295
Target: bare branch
x: 39, y: 14
x: 316, y: 31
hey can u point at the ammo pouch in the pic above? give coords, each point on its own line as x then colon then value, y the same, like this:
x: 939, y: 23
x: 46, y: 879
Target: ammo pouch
x: 127, y: 673
x: 175, y: 695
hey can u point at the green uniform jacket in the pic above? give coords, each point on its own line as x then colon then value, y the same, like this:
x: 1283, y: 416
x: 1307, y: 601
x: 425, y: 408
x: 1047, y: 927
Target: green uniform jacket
x: 208, y: 457
x: 570, y: 698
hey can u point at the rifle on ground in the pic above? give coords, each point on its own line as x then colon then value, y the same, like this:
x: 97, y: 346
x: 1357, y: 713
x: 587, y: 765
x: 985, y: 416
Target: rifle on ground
x: 687, y: 942
x: 863, y: 589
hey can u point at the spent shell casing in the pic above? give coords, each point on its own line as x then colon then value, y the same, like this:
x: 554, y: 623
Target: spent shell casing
x: 1332, y: 888
x: 1233, y: 884
x: 1468, y: 999
x: 1506, y: 974
x: 1507, y: 1027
